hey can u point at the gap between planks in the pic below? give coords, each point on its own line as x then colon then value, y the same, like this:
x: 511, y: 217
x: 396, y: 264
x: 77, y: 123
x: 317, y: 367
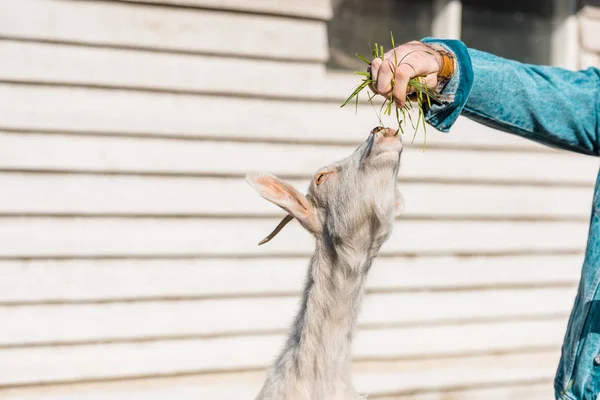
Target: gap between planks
x: 182, y: 4
x: 293, y: 294
x: 162, y: 50
x: 440, y: 323
x: 182, y: 216
x: 173, y: 136
x: 460, y: 388
x: 245, y: 256
x: 233, y: 175
x: 174, y: 91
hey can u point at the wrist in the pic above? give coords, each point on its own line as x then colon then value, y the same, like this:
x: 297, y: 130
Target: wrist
x: 447, y: 62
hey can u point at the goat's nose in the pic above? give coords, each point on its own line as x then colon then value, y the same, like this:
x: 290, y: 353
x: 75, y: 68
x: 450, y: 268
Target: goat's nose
x: 386, y: 132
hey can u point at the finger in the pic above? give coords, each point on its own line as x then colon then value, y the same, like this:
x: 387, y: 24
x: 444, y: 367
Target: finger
x: 375, y: 66
x: 384, y: 77
x: 414, y: 64
x: 403, y: 74
x: 431, y: 81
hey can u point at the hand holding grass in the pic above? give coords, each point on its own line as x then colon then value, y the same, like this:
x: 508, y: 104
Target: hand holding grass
x: 393, y: 72
x: 408, y: 72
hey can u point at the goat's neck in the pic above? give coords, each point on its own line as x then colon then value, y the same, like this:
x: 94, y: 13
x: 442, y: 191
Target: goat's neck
x: 318, y: 349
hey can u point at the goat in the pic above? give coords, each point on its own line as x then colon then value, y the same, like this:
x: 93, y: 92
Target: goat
x: 349, y: 209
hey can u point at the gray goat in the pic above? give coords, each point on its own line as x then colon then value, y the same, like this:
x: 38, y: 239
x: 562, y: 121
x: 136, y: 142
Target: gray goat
x: 350, y: 210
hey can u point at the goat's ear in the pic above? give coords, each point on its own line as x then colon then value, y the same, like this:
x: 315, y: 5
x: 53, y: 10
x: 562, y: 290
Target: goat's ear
x: 285, y: 196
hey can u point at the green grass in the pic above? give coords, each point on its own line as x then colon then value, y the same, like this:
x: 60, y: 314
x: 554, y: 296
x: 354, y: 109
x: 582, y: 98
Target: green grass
x: 422, y: 95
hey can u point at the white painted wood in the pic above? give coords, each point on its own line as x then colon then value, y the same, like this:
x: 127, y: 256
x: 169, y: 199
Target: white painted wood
x: 96, y: 280
x: 66, y: 64
x: 55, y: 63
x: 470, y: 134
x: 133, y: 155
x: 519, y: 335
x: 588, y: 59
x: 133, y: 25
x: 131, y: 195
x: 589, y: 33
x: 320, y: 9
x: 591, y: 10
x: 91, y: 322
x: 129, y: 112
x: 474, y: 201
x: 535, y: 391
x: 402, y: 377
x: 52, y: 237
x: 517, y: 369
x: 38, y: 364
x: 565, y: 34
x: 447, y: 19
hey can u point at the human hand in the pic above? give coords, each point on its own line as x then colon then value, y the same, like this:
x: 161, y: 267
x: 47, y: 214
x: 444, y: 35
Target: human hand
x: 412, y: 59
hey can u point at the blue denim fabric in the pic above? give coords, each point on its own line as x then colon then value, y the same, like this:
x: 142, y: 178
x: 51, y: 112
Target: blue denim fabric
x: 558, y: 108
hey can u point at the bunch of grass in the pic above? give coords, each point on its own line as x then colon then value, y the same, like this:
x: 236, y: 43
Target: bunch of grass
x: 422, y: 95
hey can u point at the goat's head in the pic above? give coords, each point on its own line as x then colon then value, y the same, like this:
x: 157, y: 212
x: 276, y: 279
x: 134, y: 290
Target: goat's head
x: 354, y: 198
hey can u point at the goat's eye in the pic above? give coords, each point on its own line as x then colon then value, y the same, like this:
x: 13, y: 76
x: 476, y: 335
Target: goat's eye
x: 320, y: 178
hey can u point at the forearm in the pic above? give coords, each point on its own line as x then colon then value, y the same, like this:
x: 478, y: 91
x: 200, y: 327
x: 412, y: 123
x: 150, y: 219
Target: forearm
x: 553, y: 106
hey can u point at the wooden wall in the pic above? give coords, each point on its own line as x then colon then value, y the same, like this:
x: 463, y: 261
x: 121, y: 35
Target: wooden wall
x: 589, y: 32
x: 128, y: 259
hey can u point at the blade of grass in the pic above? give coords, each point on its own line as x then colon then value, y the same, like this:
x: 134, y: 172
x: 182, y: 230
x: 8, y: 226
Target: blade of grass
x: 399, y: 120
x: 383, y: 107
x: 408, y: 111
x: 390, y: 102
x: 363, y: 59
x: 376, y: 113
x: 424, y: 132
x: 356, y: 105
x: 394, y: 49
x: 357, y: 90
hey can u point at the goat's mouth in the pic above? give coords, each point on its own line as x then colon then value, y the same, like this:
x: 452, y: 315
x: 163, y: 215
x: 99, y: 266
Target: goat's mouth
x: 383, y: 144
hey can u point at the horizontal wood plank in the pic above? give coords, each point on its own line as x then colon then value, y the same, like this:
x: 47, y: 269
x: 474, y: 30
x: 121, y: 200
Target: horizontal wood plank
x: 152, y: 156
x: 186, y: 30
x: 590, y: 29
x: 172, y: 196
x: 120, y: 360
x: 528, y: 390
x: 590, y: 10
x: 114, y: 237
x: 588, y: 59
x: 244, y: 384
x: 127, y: 321
x: 168, y: 114
x: 438, y: 375
x: 319, y: 9
x: 76, y: 65
x: 101, y: 280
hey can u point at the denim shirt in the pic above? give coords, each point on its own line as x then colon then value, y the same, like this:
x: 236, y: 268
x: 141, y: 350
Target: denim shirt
x: 558, y: 108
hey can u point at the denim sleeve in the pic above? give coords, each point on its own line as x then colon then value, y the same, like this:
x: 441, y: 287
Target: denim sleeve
x: 553, y: 106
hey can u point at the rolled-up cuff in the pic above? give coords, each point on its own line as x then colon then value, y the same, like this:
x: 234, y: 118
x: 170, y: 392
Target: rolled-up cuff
x: 455, y: 94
